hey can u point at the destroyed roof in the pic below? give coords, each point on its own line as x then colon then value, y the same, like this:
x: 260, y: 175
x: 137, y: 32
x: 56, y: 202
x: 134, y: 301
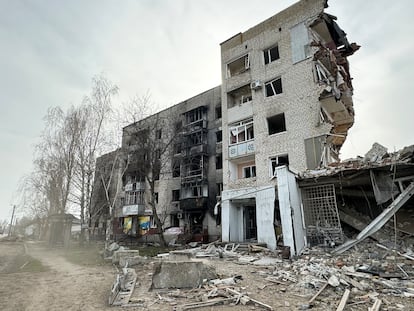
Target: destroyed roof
x: 376, y: 158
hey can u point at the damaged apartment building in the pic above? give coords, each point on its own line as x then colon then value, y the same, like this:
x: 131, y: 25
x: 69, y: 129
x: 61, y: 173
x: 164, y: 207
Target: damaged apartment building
x: 287, y: 106
x: 185, y: 142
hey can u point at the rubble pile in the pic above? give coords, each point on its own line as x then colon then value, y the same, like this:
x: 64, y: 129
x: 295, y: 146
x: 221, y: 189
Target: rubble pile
x: 377, y: 156
x: 370, y: 275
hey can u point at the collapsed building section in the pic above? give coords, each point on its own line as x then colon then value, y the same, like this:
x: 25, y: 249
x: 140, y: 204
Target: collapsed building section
x: 332, y: 73
x: 364, y: 193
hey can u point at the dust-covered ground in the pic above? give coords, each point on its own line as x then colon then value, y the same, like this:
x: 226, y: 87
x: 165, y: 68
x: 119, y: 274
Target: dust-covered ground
x: 34, y: 277
x: 42, y: 279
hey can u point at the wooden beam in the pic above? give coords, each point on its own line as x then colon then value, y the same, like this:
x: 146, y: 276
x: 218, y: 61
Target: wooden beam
x: 343, y: 301
x: 318, y: 293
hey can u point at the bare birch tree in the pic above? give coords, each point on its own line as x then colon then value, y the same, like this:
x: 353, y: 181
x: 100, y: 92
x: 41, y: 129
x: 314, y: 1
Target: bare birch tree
x: 93, y: 116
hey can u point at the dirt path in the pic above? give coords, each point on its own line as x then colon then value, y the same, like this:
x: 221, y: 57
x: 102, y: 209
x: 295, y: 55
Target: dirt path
x: 65, y: 286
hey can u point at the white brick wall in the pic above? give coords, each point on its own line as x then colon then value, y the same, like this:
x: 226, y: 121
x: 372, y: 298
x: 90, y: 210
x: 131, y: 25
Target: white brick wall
x: 299, y: 100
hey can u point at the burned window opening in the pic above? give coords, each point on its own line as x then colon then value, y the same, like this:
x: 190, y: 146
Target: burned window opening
x: 219, y: 136
x: 176, y: 195
x: 219, y: 161
x: 276, y: 124
x: 273, y: 87
x: 218, y: 112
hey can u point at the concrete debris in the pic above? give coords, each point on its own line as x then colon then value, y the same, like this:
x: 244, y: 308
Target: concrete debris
x: 123, y: 287
x: 333, y: 281
x: 367, y: 275
x: 267, y: 261
x: 376, y: 153
x: 181, y: 274
x: 130, y: 261
x: 123, y: 253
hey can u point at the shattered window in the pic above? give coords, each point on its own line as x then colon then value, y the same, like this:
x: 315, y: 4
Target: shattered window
x: 276, y: 124
x: 271, y: 54
x: 241, y: 131
x: 278, y: 161
x: 238, y: 66
x: 274, y: 87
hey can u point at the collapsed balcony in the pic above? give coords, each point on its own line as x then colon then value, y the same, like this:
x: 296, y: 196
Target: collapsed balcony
x: 332, y: 74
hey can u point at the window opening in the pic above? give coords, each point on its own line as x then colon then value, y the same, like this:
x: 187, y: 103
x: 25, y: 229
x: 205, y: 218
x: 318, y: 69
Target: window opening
x: 219, y: 136
x: 273, y: 87
x: 219, y: 161
x: 278, y: 161
x: 241, y: 132
x: 276, y: 124
x: 238, y: 66
x: 249, y: 171
x: 271, y: 54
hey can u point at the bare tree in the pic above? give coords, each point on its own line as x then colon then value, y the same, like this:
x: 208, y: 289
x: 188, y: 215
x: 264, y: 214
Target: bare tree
x: 93, y: 116
x: 149, y: 143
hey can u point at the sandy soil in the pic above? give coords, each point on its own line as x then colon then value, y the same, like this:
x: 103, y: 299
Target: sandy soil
x: 64, y: 286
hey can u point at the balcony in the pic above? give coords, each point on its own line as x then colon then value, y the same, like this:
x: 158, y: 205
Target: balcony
x: 135, y: 186
x: 129, y: 210
x: 241, y: 149
x: 195, y: 203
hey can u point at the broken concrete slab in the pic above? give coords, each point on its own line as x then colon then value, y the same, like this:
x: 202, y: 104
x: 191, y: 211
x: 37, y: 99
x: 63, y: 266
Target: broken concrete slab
x: 169, y: 274
x: 132, y: 261
x: 180, y: 256
x: 123, y: 253
x: 380, y: 221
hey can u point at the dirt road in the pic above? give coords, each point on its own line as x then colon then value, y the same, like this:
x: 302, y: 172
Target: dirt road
x: 63, y: 286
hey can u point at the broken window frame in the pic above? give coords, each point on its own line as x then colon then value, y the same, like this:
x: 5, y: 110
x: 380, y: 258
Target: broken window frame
x: 267, y: 54
x: 238, y: 69
x: 276, y: 161
x: 241, y: 132
x: 194, y: 115
x: 273, y: 87
x: 134, y: 197
x: 276, y: 125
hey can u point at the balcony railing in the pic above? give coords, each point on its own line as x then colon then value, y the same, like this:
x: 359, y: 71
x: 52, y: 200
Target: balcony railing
x: 241, y: 149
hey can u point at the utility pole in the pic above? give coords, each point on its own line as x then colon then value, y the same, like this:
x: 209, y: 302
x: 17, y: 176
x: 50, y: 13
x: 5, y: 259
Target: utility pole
x: 11, y: 221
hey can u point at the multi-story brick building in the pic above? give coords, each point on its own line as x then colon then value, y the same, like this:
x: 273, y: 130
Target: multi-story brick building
x: 190, y: 176
x: 286, y: 100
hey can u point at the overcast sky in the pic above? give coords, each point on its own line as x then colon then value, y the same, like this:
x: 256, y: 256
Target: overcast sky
x: 50, y: 50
